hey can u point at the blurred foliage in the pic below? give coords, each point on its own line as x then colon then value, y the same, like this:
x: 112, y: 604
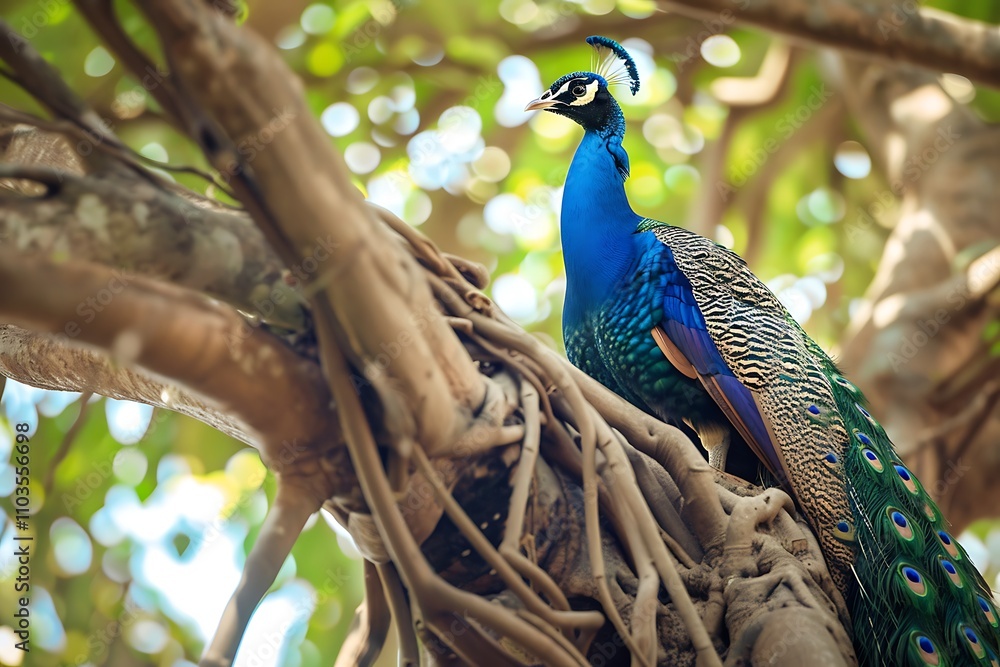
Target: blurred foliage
x: 425, y: 101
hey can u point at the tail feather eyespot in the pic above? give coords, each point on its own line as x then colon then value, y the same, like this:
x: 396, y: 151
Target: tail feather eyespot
x: 949, y: 544
x: 972, y: 640
x: 909, y: 481
x: 987, y: 610
x: 872, y: 459
x: 900, y: 523
x: 926, y: 650
x: 951, y: 572
x: 913, y: 580
x: 844, y: 531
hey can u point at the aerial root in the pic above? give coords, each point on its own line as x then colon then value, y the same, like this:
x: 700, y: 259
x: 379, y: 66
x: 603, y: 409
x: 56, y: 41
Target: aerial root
x: 750, y: 512
x: 370, y: 626
x: 292, y: 507
x: 788, y: 637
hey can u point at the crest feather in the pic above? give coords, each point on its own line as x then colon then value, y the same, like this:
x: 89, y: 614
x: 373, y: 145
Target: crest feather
x: 614, y: 63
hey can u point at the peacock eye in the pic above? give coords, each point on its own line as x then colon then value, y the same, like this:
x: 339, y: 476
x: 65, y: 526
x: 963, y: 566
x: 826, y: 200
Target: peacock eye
x: 579, y: 91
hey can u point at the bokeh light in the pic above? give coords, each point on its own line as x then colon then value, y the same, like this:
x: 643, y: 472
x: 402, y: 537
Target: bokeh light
x: 340, y: 119
x: 98, y: 62
x: 317, y: 19
x: 127, y: 421
x: 852, y: 160
x: 71, y: 546
x: 721, y: 51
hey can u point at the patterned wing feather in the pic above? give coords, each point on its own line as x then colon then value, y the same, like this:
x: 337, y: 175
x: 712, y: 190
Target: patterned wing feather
x: 693, y: 353
x: 764, y: 353
x: 915, y: 598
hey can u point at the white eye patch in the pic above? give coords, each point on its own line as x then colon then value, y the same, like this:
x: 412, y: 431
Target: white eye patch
x: 588, y: 97
x: 564, y: 88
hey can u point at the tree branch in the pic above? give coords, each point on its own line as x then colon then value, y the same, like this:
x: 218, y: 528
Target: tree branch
x: 916, y: 343
x: 903, y: 32
x: 41, y: 360
x: 124, y: 221
x: 203, y: 345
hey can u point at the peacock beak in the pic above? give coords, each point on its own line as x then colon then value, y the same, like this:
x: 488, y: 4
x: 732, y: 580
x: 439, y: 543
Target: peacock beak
x: 543, y: 102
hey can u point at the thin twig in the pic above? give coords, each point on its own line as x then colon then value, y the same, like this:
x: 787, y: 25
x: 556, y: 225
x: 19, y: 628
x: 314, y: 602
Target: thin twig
x: 525, y: 469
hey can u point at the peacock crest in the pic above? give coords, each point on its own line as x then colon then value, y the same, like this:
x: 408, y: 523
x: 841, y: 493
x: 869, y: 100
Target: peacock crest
x: 614, y: 63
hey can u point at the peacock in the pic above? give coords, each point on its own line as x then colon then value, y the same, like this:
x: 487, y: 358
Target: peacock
x: 680, y: 327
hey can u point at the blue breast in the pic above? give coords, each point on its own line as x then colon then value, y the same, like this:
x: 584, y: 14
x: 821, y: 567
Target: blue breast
x: 608, y: 332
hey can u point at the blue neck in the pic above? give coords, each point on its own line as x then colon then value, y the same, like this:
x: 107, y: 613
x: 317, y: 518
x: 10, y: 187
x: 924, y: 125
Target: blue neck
x: 598, y: 224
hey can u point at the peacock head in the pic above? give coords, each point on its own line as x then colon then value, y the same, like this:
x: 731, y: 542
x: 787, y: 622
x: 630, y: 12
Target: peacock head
x: 584, y: 96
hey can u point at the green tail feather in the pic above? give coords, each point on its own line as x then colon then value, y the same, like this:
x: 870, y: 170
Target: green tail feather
x: 918, y: 600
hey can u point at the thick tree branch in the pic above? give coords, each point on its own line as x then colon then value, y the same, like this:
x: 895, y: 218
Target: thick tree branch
x: 124, y: 221
x: 44, y: 361
x: 201, y: 344
x: 901, y: 32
